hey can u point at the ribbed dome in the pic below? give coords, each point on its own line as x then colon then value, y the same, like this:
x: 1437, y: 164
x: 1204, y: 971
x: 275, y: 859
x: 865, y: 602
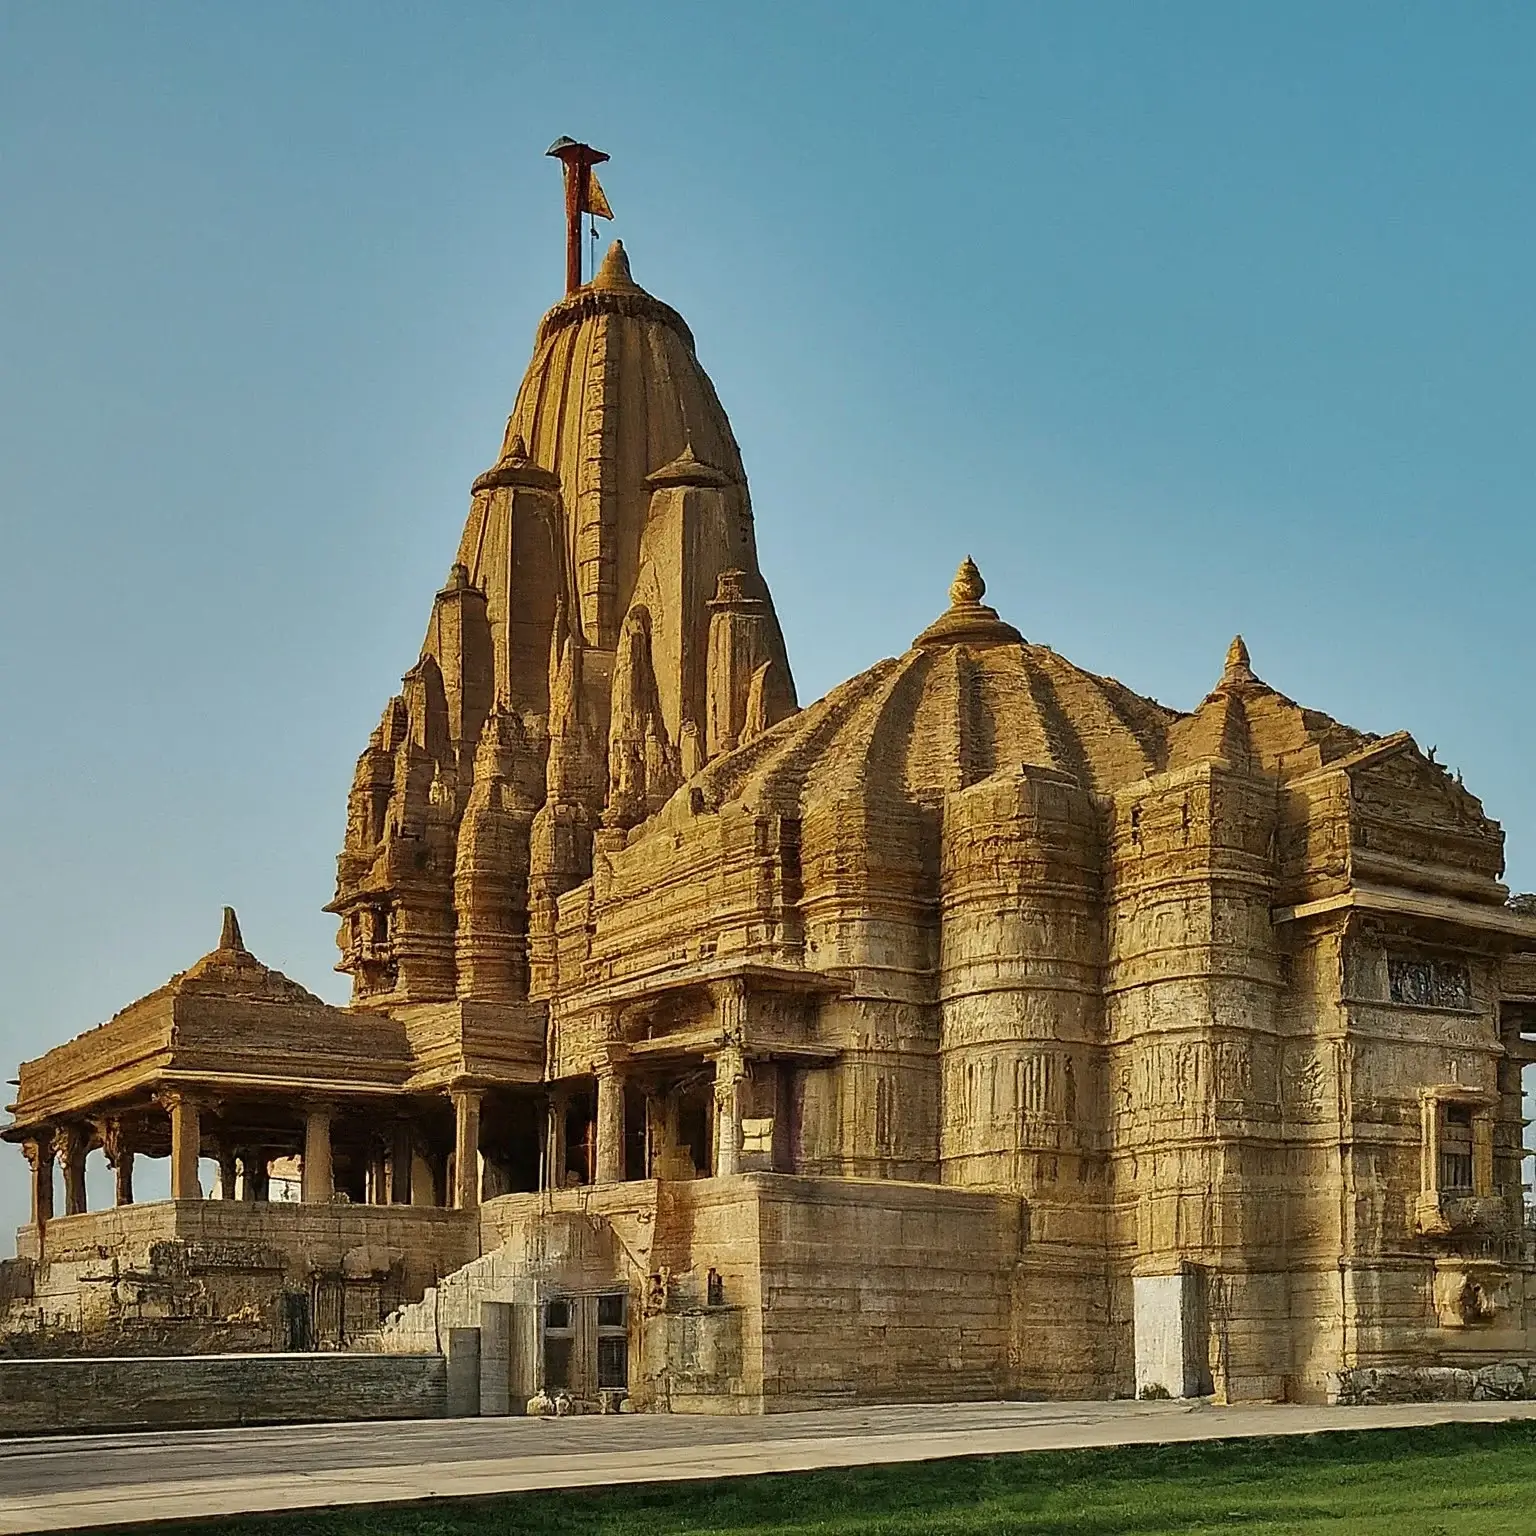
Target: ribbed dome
x: 942, y: 717
x: 972, y: 697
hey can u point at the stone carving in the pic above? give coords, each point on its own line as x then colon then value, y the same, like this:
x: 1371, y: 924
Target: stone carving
x: 1065, y: 1008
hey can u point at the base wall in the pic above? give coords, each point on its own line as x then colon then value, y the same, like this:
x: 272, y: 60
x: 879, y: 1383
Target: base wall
x: 49, y: 1396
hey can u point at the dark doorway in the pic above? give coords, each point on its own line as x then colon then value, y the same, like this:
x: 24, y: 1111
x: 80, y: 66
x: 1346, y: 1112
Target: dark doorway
x: 298, y: 1334
x: 693, y: 1128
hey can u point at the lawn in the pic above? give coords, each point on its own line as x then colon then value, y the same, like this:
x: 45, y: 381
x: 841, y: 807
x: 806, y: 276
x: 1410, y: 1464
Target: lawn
x: 1413, y: 1482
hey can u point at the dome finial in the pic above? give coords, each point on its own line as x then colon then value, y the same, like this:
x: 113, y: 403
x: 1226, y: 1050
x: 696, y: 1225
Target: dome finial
x: 967, y: 620
x: 967, y: 588
x: 1237, y: 669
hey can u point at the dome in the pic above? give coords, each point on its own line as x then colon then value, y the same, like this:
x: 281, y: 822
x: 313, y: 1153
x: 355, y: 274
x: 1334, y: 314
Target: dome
x: 972, y: 697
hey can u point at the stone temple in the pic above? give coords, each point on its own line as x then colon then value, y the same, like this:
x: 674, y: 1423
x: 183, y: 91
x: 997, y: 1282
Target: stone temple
x: 983, y: 1029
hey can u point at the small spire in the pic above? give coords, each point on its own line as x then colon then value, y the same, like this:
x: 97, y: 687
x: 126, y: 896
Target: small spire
x: 517, y: 449
x: 1237, y: 669
x: 230, y: 937
x: 687, y: 469
x: 967, y: 588
x: 614, y: 272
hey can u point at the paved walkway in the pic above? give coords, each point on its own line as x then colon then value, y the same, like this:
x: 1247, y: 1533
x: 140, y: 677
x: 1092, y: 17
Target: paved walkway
x: 62, y: 1482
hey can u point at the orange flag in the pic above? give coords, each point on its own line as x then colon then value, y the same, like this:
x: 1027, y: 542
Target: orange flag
x: 597, y: 203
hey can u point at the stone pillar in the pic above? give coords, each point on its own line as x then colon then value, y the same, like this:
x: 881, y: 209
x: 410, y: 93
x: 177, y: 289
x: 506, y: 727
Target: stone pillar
x: 610, y: 1127
x: 378, y: 1175
x: 657, y: 1143
x: 255, y: 1184
x: 400, y: 1165
x: 186, y: 1141
x: 228, y: 1175
x: 315, y: 1186
x: 730, y: 1068
x: 1429, y: 1144
x: 466, y: 1147
x: 74, y: 1142
x: 122, y: 1169
x: 554, y: 1156
x: 1482, y: 1152
x: 119, y: 1156
x: 39, y: 1155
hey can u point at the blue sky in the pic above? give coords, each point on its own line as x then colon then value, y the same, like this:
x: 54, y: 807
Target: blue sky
x: 1182, y: 319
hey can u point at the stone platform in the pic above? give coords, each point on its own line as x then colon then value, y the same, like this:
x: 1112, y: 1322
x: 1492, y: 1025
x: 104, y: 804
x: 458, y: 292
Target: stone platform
x: 54, y: 1485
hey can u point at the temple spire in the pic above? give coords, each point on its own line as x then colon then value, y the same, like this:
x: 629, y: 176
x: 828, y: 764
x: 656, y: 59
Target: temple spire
x: 1237, y: 669
x: 230, y: 938
x: 583, y: 194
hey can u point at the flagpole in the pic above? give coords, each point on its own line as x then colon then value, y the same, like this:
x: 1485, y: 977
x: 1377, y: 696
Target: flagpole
x: 578, y: 160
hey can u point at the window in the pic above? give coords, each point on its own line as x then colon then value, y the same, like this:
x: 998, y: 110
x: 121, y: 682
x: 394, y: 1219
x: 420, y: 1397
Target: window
x: 612, y: 1342
x: 558, y: 1344
x: 612, y: 1364
x: 1456, y: 1150
x: 1428, y: 983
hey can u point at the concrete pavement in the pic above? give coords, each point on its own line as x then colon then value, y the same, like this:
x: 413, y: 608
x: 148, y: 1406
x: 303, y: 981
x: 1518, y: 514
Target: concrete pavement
x: 58, y: 1483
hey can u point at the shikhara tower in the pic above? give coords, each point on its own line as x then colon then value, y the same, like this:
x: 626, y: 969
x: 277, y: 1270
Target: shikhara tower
x: 604, y: 633
x: 984, y: 1028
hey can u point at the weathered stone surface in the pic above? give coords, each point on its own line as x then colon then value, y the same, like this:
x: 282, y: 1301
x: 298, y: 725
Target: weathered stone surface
x: 983, y: 1028
x: 62, y: 1396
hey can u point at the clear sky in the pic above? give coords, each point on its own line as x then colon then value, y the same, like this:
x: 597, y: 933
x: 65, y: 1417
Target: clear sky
x: 1181, y: 318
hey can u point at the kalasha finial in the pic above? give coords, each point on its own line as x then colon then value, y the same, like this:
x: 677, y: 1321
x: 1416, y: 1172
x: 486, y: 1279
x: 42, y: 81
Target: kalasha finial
x: 967, y: 620
x: 230, y: 937
x: 1237, y: 669
x: 967, y: 587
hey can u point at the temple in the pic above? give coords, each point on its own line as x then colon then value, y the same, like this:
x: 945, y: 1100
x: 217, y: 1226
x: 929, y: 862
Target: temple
x: 983, y: 1029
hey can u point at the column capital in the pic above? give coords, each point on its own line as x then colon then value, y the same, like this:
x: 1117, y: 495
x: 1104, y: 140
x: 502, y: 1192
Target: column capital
x: 181, y: 1098
x: 729, y: 997
x: 74, y: 1139
x: 116, y: 1143
x: 613, y: 1061
x: 730, y: 1064
x: 39, y: 1149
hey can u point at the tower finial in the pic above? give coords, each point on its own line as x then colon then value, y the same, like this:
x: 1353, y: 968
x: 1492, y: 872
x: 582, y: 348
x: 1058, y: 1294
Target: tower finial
x: 230, y: 937
x: 1237, y: 669
x: 967, y: 587
x: 614, y: 272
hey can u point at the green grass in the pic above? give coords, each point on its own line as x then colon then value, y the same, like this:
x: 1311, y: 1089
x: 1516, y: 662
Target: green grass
x: 1414, y: 1482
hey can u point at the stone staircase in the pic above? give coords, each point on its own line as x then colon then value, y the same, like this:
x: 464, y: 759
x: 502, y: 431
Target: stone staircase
x: 543, y: 1250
